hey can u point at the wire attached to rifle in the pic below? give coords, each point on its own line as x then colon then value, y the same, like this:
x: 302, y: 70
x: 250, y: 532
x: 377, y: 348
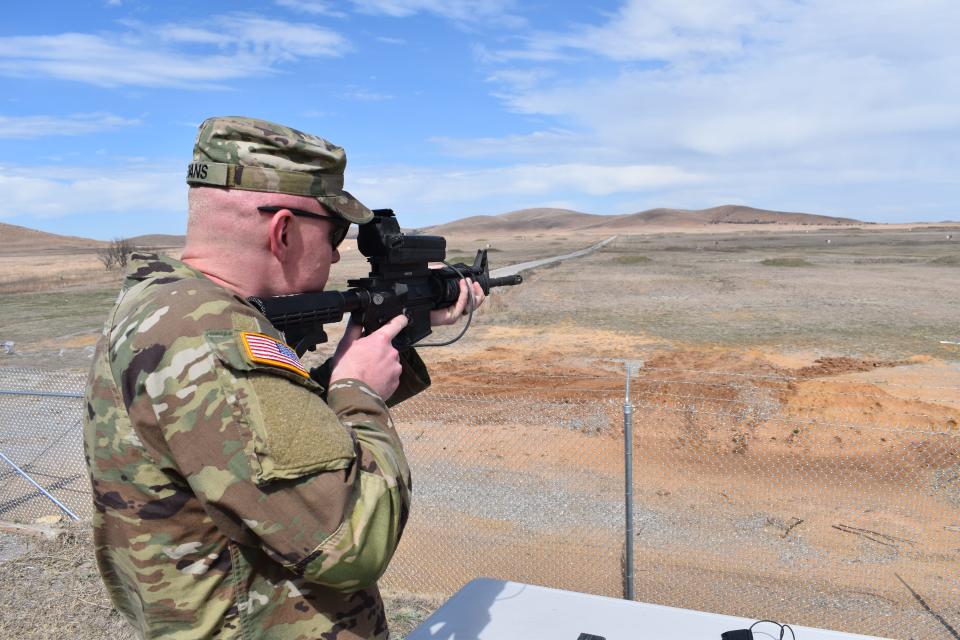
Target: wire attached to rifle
x: 470, y: 300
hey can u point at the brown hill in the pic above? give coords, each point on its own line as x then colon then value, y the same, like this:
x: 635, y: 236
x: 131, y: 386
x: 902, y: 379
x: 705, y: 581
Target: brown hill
x: 159, y: 241
x: 724, y: 214
x: 14, y: 238
x: 17, y: 239
x: 523, y: 220
x: 530, y: 220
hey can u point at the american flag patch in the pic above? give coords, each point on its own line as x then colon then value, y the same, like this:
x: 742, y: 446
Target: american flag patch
x: 265, y: 349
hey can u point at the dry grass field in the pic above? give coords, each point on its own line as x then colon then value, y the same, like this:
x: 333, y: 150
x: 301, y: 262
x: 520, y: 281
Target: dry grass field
x: 849, y: 327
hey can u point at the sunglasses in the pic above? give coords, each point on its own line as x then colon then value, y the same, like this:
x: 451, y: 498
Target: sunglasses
x: 339, y: 226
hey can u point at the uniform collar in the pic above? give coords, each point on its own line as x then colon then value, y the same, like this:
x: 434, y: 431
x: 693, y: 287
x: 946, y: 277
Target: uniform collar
x: 151, y: 266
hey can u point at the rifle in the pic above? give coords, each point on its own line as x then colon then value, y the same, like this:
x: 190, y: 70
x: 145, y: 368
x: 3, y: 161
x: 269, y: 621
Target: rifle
x: 400, y: 281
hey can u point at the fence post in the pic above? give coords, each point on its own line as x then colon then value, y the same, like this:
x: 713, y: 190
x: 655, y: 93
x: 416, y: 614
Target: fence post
x: 628, y: 489
x: 27, y: 477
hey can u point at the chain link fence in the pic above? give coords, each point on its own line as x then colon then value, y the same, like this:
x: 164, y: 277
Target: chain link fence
x: 831, y: 502
x: 828, y: 502
x: 41, y: 433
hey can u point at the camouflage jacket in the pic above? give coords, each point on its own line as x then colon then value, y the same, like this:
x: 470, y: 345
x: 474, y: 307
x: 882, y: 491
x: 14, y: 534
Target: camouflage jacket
x: 234, y: 496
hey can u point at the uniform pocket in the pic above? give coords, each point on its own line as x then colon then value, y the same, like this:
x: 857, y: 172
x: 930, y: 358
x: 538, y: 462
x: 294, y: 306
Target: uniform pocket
x: 294, y: 433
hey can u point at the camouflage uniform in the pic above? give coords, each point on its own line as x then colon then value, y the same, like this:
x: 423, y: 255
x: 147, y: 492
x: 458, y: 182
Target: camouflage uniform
x: 235, y: 496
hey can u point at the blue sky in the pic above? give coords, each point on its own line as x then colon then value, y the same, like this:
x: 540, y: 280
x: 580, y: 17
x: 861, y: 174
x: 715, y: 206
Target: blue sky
x: 452, y: 108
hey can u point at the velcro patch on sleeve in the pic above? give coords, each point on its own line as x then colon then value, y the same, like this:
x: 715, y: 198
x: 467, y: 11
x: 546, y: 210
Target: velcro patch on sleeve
x: 266, y: 350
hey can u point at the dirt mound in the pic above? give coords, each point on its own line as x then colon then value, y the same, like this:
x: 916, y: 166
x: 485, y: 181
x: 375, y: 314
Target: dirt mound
x: 745, y: 388
x: 835, y: 366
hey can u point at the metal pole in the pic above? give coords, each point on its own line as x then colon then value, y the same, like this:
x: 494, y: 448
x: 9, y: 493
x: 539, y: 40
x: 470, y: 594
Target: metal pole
x: 39, y: 488
x: 42, y: 394
x: 628, y: 490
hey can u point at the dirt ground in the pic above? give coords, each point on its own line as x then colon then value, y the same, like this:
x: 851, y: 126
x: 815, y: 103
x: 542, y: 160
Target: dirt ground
x: 796, y: 442
x: 809, y: 489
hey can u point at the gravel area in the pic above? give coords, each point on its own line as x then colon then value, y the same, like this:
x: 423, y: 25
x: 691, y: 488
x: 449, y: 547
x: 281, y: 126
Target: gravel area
x: 527, y: 501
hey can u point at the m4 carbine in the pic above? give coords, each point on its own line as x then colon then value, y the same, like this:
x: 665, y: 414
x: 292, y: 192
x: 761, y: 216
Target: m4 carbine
x: 400, y: 281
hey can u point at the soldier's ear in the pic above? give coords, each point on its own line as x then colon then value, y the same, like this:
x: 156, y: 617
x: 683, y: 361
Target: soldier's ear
x: 279, y: 235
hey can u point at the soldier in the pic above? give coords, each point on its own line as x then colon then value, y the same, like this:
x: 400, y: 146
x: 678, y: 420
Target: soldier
x: 236, y: 494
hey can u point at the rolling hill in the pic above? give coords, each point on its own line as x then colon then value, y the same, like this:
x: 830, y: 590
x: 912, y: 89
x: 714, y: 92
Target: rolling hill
x: 17, y: 239
x: 159, y: 241
x: 529, y: 220
x: 522, y: 220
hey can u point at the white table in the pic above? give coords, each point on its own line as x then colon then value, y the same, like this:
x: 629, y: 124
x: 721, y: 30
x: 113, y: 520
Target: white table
x: 487, y: 609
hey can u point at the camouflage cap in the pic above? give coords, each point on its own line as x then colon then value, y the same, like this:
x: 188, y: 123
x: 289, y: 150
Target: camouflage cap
x: 256, y: 155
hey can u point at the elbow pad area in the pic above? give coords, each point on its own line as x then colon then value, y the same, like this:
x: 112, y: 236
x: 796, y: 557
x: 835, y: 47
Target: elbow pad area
x: 358, y: 552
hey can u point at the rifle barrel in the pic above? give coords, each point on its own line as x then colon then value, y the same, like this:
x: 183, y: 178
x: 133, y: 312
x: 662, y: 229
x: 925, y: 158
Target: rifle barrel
x: 506, y: 281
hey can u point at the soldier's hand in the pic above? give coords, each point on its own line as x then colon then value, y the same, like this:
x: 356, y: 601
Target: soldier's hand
x: 449, y: 315
x: 371, y: 359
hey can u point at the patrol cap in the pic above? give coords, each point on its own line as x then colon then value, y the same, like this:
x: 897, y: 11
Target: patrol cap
x: 256, y: 155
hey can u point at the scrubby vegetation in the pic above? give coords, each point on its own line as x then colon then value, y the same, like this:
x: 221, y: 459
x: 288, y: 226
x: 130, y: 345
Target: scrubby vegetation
x: 631, y: 260
x: 785, y: 262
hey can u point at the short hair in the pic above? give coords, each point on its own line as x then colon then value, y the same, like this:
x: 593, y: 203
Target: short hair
x: 222, y: 217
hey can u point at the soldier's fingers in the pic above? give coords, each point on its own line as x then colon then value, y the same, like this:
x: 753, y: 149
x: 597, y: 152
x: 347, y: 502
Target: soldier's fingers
x: 472, y: 301
x: 478, y: 295
x: 392, y: 328
x: 461, y: 302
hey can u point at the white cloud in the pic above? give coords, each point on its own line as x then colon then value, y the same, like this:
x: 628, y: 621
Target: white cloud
x: 500, y: 12
x: 315, y: 7
x: 421, y: 196
x: 766, y: 98
x: 169, y: 55
x: 780, y: 106
x: 191, y: 35
x: 415, y: 186
x: 744, y: 75
x: 723, y: 30
x: 554, y: 143
x: 666, y: 30
x: 366, y: 95
x: 23, y: 127
x: 56, y: 191
x: 497, y: 12
x: 277, y: 39
x: 519, y: 79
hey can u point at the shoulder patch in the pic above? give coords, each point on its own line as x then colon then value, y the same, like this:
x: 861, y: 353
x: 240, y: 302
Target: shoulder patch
x: 264, y: 349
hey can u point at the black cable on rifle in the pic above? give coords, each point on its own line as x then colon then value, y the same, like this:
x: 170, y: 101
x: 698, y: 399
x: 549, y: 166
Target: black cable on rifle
x: 469, y: 316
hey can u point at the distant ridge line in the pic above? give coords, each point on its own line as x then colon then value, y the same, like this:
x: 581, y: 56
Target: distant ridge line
x: 570, y: 220
x: 19, y: 240
x: 22, y: 240
x: 12, y: 235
